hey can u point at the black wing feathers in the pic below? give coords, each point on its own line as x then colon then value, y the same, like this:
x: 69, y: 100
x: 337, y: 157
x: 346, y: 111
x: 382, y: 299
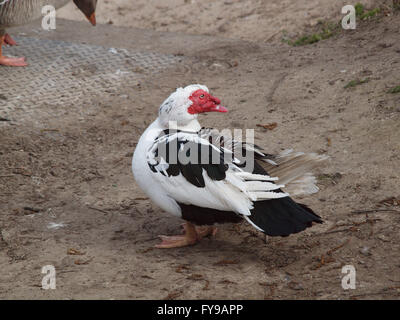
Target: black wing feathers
x: 189, y: 158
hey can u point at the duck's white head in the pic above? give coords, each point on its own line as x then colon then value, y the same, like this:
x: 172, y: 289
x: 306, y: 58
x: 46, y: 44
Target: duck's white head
x: 184, y: 105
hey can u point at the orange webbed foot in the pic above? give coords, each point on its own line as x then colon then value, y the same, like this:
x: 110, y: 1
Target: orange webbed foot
x: 188, y: 238
x: 10, y: 61
x: 191, y: 235
x: 13, y: 62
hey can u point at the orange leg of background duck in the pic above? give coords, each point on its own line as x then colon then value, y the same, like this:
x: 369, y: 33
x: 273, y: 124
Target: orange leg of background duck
x: 8, y: 40
x: 8, y: 61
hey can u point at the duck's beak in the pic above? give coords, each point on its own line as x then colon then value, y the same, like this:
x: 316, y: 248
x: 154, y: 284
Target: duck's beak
x: 88, y: 7
x: 217, y: 108
x: 92, y: 19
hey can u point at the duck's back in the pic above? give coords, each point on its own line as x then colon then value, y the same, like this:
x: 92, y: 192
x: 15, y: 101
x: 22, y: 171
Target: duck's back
x: 18, y: 12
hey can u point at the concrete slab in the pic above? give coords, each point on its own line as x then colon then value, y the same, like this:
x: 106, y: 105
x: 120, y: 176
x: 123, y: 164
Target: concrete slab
x: 70, y: 65
x: 129, y: 38
x: 61, y: 73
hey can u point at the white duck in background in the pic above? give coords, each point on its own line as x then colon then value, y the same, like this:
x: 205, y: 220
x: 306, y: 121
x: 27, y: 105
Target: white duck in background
x: 223, y: 191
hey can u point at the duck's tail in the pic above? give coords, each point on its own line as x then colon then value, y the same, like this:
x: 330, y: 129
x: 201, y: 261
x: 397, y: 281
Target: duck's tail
x: 281, y: 217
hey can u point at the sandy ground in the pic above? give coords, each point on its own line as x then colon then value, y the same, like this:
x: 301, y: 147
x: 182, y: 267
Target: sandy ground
x: 78, y: 173
x: 251, y: 20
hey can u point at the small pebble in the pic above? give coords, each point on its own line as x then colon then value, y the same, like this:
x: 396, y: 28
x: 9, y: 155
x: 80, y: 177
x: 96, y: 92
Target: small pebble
x: 341, y: 223
x: 365, y: 251
x: 383, y: 238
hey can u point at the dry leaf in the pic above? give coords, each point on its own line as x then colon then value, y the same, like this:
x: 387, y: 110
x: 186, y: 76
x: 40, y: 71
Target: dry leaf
x: 195, y: 277
x: 226, y: 262
x: 328, y: 142
x: 206, y: 285
x: 392, y: 201
x: 172, y: 295
x: 75, y: 252
x: 82, y: 262
x: 181, y: 267
x: 269, y: 126
x: 226, y: 281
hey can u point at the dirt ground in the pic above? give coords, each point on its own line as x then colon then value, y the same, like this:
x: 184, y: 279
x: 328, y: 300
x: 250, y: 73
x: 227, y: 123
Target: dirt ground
x: 68, y: 198
x: 251, y: 20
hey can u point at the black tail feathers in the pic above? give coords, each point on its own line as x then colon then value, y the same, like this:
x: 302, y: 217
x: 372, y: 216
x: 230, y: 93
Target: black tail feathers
x: 282, y: 217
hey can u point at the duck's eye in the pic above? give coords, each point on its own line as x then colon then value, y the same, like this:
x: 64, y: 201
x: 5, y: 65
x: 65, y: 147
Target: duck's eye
x: 202, y: 96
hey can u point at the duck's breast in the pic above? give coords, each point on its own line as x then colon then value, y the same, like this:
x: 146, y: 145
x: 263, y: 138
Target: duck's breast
x: 144, y: 176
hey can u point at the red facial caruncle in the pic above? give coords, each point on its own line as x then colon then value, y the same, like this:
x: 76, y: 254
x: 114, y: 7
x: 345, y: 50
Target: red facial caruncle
x: 204, y: 102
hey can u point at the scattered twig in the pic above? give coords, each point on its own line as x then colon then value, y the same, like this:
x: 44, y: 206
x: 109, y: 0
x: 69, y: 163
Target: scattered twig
x: 32, y: 209
x: 275, y: 86
x: 271, y: 286
x: 97, y: 209
x: 334, y: 231
x: 366, y: 221
x: 181, y: 267
x: 146, y: 250
x: 196, y: 277
x: 22, y: 171
x: 206, y: 285
x: 352, y: 228
x: 373, y: 211
x: 327, y: 257
x: 199, y: 277
x: 226, y: 281
x: 116, y: 163
x: 338, y: 247
x: 269, y: 126
x: 226, y: 262
x: 75, y: 252
x: 391, y: 201
x: 328, y: 141
x: 146, y: 240
x: 82, y: 262
x: 30, y: 237
x: 51, y: 130
x: 382, y: 292
x: 172, y: 295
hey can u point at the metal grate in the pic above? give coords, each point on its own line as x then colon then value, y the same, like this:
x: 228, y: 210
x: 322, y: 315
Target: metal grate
x: 64, y: 73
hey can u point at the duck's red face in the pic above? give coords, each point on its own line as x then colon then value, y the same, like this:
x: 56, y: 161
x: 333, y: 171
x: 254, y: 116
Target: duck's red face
x: 204, y: 102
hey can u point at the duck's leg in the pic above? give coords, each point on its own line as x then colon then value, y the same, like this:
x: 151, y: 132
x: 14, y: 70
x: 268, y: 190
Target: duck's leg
x: 205, y: 231
x: 189, y: 238
x: 8, y: 61
x: 8, y: 40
